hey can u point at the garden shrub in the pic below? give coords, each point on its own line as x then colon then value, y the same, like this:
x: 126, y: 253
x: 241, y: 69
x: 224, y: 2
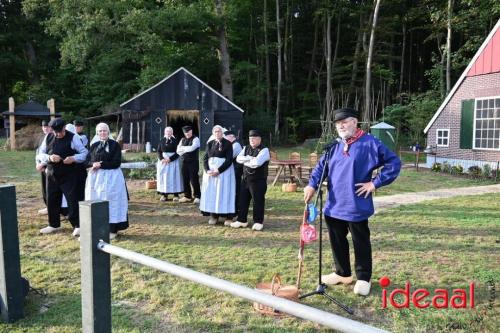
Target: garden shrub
x: 486, y: 171
x: 475, y: 171
x: 457, y: 169
x: 436, y: 167
x: 142, y: 173
x: 446, y: 167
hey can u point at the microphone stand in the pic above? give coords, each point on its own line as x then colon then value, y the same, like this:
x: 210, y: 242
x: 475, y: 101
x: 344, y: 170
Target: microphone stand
x: 321, y: 287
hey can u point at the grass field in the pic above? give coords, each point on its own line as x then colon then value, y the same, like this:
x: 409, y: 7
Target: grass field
x: 438, y: 244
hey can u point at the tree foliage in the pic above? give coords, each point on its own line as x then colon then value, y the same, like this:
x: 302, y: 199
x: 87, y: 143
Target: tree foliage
x: 92, y: 55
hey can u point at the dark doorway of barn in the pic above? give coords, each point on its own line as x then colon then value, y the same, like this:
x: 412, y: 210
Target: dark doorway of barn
x: 179, y: 118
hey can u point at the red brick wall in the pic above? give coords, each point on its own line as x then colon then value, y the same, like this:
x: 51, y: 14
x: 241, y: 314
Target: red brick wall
x: 472, y: 87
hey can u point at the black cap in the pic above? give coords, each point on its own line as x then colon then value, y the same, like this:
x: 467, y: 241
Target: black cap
x: 45, y: 123
x: 229, y: 132
x: 254, y: 133
x: 57, y: 124
x: 341, y: 114
x: 78, y: 123
x: 186, y: 128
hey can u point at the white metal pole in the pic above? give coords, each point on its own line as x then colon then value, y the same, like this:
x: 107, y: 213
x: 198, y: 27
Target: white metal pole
x: 299, y: 310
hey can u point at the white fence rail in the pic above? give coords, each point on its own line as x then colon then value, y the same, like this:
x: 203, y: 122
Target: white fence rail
x: 96, y: 282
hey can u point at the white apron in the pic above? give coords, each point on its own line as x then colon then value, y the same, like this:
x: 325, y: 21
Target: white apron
x: 218, y: 193
x: 109, y: 185
x: 169, y: 176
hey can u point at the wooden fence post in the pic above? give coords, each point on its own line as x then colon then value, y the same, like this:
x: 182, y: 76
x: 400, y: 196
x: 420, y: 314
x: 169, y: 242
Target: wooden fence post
x: 95, y: 267
x: 12, y: 124
x: 11, y: 289
x: 496, y: 172
x: 418, y: 159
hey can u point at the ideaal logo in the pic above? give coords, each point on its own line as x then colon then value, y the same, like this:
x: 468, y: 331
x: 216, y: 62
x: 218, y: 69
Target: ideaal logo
x: 439, y: 298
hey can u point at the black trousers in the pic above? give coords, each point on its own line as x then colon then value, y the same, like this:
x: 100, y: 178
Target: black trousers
x: 252, y: 190
x: 82, y: 178
x: 360, y: 234
x: 64, y: 210
x: 44, y: 187
x: 56, y: 187
x: 190, y: 177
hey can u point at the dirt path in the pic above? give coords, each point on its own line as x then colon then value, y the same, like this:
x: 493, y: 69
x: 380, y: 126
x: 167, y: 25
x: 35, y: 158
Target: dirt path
x: 390, y: 201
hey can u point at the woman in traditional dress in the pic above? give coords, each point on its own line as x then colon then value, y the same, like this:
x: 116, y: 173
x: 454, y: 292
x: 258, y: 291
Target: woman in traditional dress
x: 168, y: 169
x: 218, y: 190
x: 105, y: 180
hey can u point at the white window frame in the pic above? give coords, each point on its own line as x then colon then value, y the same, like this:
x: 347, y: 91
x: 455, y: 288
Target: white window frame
x: 474, y: 124
x: 447, y: 137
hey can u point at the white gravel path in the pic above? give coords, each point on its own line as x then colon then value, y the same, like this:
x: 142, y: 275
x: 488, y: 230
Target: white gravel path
x: 390, y: 201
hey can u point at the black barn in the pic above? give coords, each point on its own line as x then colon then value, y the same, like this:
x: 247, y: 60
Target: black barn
x: 179, y: 99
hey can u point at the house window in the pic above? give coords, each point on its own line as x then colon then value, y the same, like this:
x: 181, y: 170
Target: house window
x: 487, y: 123
x: 442, y: 137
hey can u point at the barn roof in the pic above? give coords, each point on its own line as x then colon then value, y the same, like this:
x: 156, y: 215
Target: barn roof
x: 30, y: 109
x: 485, y: 61
x: 192, y: 75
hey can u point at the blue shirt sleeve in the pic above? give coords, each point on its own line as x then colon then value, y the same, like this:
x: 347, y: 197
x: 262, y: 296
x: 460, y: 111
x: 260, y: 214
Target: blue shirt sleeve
x: 316, y: 173
x: 391, y: 166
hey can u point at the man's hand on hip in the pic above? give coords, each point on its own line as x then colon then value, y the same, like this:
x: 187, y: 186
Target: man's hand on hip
x: 365, y: 189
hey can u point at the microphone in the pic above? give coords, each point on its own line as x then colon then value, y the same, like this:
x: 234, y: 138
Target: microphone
x: 332, y: 144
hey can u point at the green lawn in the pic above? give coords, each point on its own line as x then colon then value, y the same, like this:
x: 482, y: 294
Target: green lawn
x: 437, y: 244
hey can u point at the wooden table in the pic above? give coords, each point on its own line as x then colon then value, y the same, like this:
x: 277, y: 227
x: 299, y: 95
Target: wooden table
x: 292, y: 166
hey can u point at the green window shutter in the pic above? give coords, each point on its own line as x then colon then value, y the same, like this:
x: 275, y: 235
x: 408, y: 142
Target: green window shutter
x: 467, y: 124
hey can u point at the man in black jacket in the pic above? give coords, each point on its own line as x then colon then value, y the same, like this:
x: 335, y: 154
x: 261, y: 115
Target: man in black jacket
x: 60, y: 151
x: 188, y: 150
x: 255, y: 159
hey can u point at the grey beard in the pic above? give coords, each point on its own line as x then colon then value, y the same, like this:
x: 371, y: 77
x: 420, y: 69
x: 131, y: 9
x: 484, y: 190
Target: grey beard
x: 346, y: 135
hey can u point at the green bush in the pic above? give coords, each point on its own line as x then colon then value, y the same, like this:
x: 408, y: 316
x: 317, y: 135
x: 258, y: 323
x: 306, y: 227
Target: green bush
x: 446, y: 167
x: 486, y: 171
x: 436, y: 167
x: 457, y: 169
x: 475, y: 171
x: 142, y: 174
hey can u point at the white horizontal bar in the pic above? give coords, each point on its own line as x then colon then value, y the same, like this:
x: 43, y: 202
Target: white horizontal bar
x: 136, y: 165
x: 299, y: 310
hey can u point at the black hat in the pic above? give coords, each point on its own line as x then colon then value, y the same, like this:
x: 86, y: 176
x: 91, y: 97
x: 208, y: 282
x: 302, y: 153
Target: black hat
x: 254, y: 133
x: 341, y: 114
x: 45, y: 123
x: 186, y: 128
x: 78, y: 123
x: 57, y: 124
x: 229, y: 132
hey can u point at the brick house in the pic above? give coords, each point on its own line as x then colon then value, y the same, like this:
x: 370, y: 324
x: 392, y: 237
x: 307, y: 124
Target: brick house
x: 465, y: 130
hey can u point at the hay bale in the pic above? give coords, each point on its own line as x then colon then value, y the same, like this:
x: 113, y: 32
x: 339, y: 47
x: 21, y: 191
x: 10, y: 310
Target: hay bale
x: 27, y: 138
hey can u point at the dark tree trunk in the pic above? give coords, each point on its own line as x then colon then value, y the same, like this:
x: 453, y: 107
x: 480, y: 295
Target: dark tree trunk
x: 31, y: 55
x: 402, y: 69
x: 357, y: 52
x: 367, y: 114
x: 313, y: 56
x: 448, y: 47
x: 268, y: 66
x: 278, y: 86
x: 224, y: 57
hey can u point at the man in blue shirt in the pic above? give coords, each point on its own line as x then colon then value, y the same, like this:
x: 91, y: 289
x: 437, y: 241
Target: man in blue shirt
x: 350, y: 203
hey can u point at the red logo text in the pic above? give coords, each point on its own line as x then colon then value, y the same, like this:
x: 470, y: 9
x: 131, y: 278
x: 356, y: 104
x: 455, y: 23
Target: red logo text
x: 422, y: 298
